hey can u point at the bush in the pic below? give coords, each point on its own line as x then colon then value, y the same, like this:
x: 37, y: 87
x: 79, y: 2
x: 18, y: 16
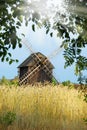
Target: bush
x: 6, y: 119
x: 68, y: 83
x: 7, y: 82
x: 85, y: 99
x: 54, y: 82
x: 4, y: 81
x: 14, y: 81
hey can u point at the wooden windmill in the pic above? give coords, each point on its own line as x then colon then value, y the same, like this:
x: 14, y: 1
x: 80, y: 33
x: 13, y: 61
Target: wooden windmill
x: 36, y: 68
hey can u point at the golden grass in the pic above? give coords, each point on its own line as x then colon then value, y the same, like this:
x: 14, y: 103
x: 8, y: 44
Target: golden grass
x: 44, y: 108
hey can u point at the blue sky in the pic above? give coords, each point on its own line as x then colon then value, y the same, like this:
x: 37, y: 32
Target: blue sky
x: 40, y: 42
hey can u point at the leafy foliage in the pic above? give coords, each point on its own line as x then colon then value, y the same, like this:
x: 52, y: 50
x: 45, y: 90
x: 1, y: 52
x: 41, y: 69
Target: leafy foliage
x: 4, y: 81
x: 54, y: 82
x: 72, y: 53
x: 82, y: 79
x: 85, y: 99
x: 68, y: 84
x: 10, y: 20
x: 7, y: 118
x: 7, y: 82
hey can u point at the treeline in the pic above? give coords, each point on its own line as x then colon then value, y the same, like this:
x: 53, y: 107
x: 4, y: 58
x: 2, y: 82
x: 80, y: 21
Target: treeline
x: 14, y: 82
x: 9, y: 82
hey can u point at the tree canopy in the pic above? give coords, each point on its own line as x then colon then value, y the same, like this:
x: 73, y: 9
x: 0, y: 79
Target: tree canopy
x: 74, y: 22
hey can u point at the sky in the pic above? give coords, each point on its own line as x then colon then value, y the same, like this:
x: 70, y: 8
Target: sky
x: 41, y: 42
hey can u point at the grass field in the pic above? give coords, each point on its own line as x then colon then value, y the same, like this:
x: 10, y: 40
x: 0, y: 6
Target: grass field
x: 42, y: 108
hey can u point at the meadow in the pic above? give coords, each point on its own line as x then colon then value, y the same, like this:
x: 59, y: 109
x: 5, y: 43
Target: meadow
x: 40, y: 107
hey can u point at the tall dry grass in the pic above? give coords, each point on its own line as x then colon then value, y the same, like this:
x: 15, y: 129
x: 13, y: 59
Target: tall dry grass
x: 44, y: 108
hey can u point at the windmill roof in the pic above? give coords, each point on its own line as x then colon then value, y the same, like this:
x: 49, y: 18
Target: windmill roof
x: 30, y: 61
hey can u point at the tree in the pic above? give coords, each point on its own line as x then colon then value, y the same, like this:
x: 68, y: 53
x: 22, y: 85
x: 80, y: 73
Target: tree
x: 13, y: 12
x: 8, y: 28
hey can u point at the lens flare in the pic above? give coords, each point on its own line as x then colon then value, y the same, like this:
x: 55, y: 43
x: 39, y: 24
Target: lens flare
x: 49, y: 8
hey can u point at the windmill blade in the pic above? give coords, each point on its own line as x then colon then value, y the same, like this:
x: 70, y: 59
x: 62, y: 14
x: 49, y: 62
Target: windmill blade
x: 52, y: 55
x: 28, y: 45
x: 55, y: 52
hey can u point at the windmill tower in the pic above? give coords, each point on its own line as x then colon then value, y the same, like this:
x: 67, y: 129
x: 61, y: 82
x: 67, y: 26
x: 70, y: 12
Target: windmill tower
x: 36, y: 68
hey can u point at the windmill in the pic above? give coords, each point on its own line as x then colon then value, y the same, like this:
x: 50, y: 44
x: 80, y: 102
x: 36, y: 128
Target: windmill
x: 38, y: 62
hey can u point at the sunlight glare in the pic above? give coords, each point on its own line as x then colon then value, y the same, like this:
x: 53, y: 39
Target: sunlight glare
x: 49, y: 8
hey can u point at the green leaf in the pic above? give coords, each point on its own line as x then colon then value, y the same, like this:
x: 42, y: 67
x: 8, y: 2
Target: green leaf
x: 20, y: 45
x: 17, y: 60
x: 13, y: 46
x: 65, y: 45
x: 11, y: 61
x: 76, y: 69
x: 20, y: 18
x: 26, y: 23
x: 47, y: 31
x: 9, y: 54
x: 18, y: 23
x: 2, y: 59
x: 51, y: 34
x: 33, y: 27
x: 23, y: 34
x: 7, y: 59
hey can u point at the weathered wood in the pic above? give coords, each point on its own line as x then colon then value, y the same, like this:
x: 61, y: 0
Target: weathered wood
x: 29, y: 74
x: 36, y: 68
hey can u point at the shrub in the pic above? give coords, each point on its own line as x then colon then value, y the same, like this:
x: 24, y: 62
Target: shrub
x: 68, y: 83
x: 7, y: 82
x: 85, y: 99
x: 4, y: 81
x: 54, y: 82
x: 7, y: 119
